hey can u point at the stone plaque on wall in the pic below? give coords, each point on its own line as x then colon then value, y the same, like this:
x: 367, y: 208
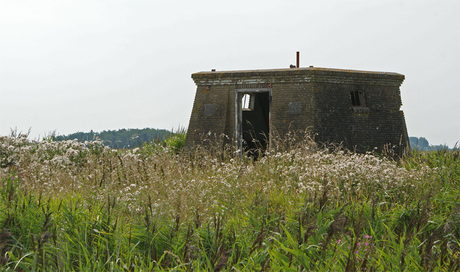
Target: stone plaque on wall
x: 295, y: 108
x: 209, y: 109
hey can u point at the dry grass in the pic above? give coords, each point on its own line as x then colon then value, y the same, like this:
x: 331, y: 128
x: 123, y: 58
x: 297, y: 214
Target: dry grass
x: 288, y: 209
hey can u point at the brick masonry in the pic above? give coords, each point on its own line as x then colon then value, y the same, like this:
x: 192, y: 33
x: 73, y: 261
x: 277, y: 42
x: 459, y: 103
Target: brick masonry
x: 317, y: 99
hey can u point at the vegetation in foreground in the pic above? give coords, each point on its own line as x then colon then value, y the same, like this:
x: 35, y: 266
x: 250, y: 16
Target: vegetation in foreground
x: 71, y: 206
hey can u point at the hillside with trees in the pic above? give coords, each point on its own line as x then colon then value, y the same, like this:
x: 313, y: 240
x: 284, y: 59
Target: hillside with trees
x: 122, y: 138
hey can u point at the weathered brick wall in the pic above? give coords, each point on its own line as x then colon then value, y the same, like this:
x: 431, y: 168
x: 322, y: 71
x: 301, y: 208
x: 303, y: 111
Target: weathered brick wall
x: 360, y: 128
x: 317, y: 99
x: 292, y: 106
x: 212, y: 114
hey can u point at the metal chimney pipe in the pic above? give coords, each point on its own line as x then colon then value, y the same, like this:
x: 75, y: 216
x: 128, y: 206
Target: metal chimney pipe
x: 298, y: 59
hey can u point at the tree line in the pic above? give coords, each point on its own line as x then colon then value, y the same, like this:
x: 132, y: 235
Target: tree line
x: 122, y: 138
x: 422, y: 144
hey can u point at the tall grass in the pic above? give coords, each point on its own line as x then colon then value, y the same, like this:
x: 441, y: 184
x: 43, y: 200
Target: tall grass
x: 72, y: 206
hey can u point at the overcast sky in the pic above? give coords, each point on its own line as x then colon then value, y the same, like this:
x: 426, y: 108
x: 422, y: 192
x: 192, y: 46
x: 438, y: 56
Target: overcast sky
x: 70, y: 66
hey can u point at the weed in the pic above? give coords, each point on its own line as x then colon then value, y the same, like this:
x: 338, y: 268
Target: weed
x: 69, y: 206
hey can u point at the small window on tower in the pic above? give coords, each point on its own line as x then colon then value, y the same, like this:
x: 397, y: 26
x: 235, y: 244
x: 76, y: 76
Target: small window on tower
x: 247, y: 102
x: 358, y: 99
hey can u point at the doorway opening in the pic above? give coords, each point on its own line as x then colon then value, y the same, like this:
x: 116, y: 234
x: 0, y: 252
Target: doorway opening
x: 253, y: 121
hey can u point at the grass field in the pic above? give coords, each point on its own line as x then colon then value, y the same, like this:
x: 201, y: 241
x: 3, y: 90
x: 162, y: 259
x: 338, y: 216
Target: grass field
x: 69, y: 206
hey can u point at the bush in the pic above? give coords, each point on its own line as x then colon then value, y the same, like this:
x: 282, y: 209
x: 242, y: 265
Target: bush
x: 176, y: 141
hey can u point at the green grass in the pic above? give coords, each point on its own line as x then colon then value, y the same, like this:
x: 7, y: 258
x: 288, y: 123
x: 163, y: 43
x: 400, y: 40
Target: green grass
x: 67, y: 206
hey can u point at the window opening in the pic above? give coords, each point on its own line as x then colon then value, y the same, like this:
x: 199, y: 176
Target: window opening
x: 247, y: 102
x: 358, y: 99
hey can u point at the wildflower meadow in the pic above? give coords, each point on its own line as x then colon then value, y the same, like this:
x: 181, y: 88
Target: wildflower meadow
x: 73, y: 206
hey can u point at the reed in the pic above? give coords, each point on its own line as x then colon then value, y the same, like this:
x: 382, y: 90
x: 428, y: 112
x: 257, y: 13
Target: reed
x: 69, y: 206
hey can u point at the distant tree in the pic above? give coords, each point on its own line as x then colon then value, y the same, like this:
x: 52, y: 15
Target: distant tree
x: 413, y: 141
x: 422, y: 144
x: 419, y: 143
x: 439, y: 147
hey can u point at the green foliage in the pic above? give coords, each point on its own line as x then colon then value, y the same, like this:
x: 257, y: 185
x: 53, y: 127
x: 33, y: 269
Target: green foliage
x: 176, y: 141
x: 67, y: 206
x: 123, y: 138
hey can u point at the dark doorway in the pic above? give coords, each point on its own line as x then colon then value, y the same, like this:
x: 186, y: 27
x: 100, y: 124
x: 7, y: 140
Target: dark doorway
x: 255, y: 122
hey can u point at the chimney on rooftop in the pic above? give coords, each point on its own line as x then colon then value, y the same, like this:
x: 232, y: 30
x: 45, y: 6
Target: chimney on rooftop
x: 298, y: 59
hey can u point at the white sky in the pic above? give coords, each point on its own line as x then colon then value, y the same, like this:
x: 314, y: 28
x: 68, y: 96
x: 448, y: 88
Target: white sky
x: 70, y: 66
